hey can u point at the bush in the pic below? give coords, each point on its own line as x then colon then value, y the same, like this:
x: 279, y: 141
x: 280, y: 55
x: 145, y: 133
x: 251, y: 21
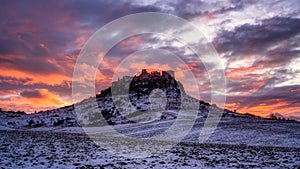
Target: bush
x: 59, y: 122
x: 30, y: 123
x: 10, y: 123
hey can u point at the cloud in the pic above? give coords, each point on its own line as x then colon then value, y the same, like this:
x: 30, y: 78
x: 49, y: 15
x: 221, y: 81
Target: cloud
x: 93, y: 12
x: 250, y: 39
x: 195, y: 8
x: 24, y: 94
x: 284, y: 100
x: 32, y: 100
x: 31, y: 94
x: 39, y: 43
x: 258, y: 58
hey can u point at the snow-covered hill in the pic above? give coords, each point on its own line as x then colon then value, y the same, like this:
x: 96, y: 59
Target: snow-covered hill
x: 151, y: 97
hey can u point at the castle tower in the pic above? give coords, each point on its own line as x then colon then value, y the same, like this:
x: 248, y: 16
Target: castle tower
x: 171, y: 72
x: 144, y: 74
x: 144, y: 71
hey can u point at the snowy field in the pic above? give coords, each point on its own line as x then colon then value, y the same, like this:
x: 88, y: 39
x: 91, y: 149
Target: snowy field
x: 237, y: 143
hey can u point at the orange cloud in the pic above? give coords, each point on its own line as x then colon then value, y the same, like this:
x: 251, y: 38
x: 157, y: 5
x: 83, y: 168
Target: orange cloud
x: 242, y: 72
x: 51, y: 79
x: 266, y: 107
x: 33, y: 100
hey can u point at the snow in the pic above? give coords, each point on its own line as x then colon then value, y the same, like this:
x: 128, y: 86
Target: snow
x: 42, y: 149
x: 55, y: 138
x: 5, y: 128
x: 237, y: 143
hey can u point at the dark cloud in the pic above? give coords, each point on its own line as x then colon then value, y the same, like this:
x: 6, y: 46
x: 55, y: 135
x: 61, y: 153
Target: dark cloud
x: 274, y: 43
x: 31, y: 94
x: 279, y: 56
x: 10, y: 45
x: 97, y: 13
x: 195, y: 8
x: 189, y: 9
x: 31, y: 65
x: 12, y: 83
x: 8, y: 83
x: 16, y: 44
x: 269, y: 96
x: 290, y: 93
x: 236, y: 5
x: 248, y: 38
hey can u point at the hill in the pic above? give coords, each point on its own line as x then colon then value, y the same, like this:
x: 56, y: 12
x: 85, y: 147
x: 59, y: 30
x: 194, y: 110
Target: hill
x: 152, y: 96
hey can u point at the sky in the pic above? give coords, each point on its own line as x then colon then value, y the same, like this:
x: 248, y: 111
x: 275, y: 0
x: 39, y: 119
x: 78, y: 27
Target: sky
x: 258, y: 43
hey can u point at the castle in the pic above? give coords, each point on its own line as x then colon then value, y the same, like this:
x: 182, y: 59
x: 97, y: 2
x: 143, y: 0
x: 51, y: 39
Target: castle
x: 144, y: 77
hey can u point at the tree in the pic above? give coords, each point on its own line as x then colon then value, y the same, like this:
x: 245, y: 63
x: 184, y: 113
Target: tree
x: 272, y: 116
x: 30, y: 123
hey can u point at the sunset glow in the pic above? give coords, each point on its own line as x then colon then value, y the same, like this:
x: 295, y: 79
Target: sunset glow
x: 258, y: 42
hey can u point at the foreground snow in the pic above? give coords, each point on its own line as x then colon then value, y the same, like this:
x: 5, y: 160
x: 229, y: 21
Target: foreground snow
x: 237, y: 143
x: 232, y: 131
x: 40, y: 149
